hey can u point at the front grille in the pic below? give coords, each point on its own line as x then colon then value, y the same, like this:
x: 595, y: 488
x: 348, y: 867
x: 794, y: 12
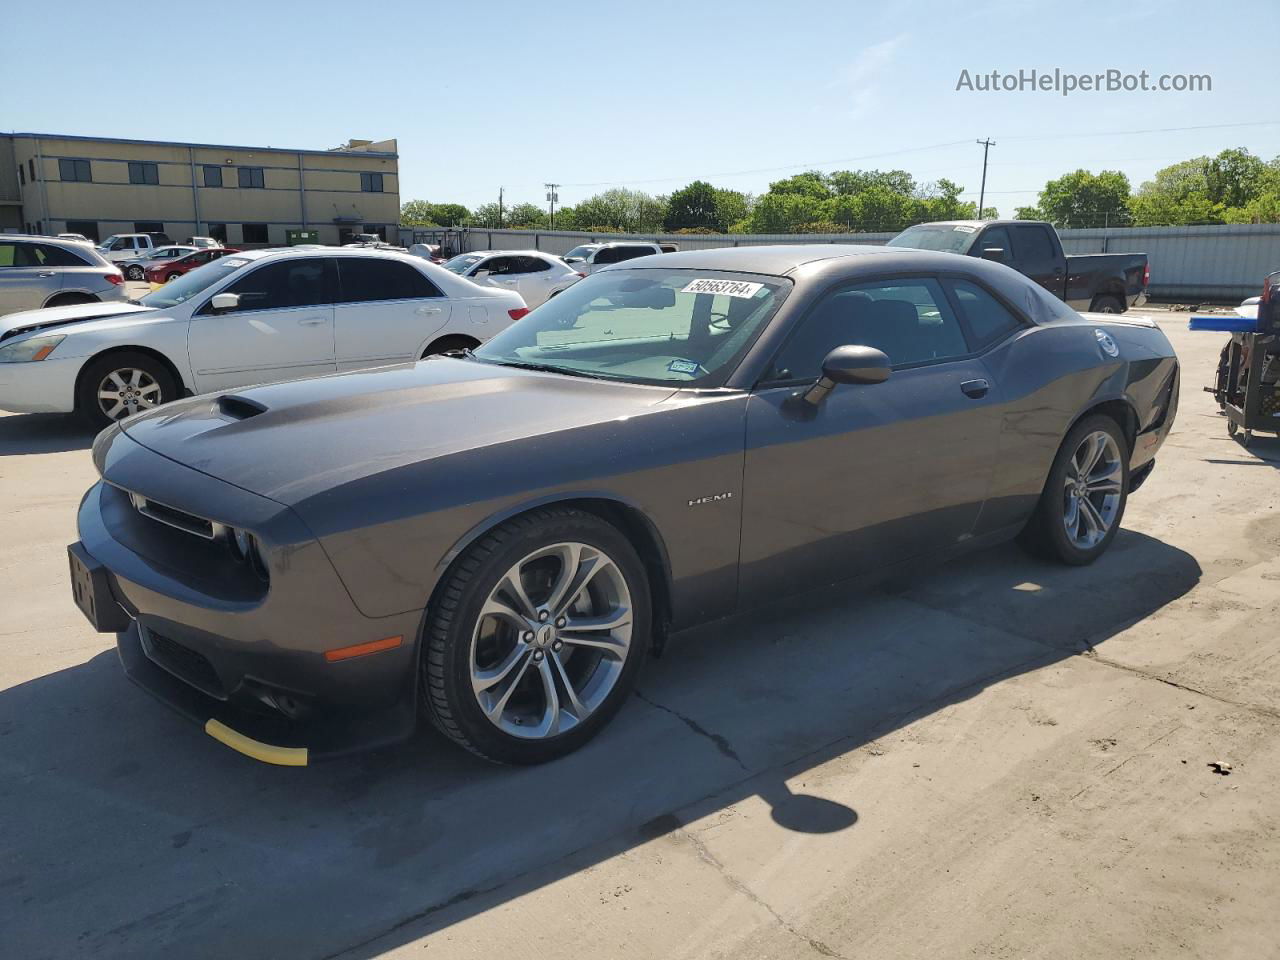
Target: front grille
x: 183, y: 662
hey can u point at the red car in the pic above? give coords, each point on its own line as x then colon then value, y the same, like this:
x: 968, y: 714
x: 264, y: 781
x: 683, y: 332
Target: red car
x: 164, y: 272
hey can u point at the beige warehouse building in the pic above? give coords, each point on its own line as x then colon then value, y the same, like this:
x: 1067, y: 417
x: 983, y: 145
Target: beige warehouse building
x: 97, y: 186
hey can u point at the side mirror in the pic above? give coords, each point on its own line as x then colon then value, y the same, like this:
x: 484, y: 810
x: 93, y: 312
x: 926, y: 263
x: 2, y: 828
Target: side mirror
x: 993, y: 253
x: 222, y: 302
x: 852, y: 365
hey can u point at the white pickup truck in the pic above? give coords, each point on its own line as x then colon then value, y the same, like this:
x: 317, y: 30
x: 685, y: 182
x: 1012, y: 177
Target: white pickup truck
x: 131, y: 246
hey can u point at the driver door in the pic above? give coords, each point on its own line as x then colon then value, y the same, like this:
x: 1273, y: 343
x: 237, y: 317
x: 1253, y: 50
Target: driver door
x: 877, y: 474
x: 282, y: 330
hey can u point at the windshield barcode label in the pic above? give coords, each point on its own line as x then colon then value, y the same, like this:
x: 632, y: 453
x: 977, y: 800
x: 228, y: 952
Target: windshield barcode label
x: 728, y: 288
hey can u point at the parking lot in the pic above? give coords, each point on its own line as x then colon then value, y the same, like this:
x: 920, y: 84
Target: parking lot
x: 999, y: 758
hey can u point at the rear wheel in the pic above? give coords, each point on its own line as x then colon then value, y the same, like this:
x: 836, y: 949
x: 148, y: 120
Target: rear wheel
x: 120, y: 384
x: 171, y: 277
x: 1107, y: 303
x: 1084, y: 497
x: 70, y: 299
x: 446, y: 344
x: 536, y: 636
x: 134, y: 273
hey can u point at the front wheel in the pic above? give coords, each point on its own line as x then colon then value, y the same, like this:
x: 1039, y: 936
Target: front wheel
x: 171, y: 277
x: 134, y: 273
x: 1084, y: 497
x: 120, y: 384
x: 536, y: 636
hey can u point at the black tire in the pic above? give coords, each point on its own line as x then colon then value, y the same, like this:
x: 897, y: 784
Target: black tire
x: 135, y: 273
x: 87, y: 405
x: 1107, y: 303
x: 171, y: 277
x: 1045, y: 534
x: 71, y: 299
x: 452, y: 342
x: 448, y: 699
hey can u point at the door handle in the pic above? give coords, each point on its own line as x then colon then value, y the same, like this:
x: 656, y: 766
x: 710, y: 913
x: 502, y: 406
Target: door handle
x: 44, y: 276
x: 975, y: 388
x: 312, y: 321
x: 427, y: 311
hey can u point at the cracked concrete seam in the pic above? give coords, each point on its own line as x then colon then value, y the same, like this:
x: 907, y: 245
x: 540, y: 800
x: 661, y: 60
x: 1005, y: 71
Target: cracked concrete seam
x: 721, y: 743
x: 707, y: 857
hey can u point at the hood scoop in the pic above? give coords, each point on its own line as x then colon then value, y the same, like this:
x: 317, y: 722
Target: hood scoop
x: 236, y: 407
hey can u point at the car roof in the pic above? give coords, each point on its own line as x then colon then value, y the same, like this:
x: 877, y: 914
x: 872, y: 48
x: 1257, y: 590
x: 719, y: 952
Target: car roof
x: 508, y: 253
x: 777, y: 259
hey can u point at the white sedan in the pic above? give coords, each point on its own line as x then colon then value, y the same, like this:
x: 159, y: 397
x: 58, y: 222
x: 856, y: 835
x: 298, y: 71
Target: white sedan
x: 251, y: 317
x: 535, y: 275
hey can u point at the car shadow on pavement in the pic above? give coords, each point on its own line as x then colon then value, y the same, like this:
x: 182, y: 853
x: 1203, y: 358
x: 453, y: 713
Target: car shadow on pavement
x: 130, y: 833
x: 43, y: 433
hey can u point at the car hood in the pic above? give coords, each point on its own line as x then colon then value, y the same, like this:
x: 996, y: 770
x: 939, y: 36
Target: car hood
x: 290, y: 441
x: 29, y: 320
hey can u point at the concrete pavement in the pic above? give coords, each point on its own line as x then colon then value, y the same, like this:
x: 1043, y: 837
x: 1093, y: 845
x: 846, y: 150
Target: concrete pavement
x: 1002, y: 758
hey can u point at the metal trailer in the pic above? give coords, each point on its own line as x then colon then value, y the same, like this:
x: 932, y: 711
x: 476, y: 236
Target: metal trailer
x: 1247, y: 386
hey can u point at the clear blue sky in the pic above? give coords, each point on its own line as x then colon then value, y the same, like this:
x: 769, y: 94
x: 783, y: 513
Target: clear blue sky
x: 650, y: 95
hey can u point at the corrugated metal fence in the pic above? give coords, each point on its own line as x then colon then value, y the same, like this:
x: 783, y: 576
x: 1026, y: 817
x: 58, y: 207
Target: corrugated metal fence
x: 1218, y: 262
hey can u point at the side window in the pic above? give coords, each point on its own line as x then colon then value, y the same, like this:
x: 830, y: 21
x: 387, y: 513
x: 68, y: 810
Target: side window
x: 50, y: 256
x: 910, y: 320
x: 989, y: 320
x: 277, y: 286
x: 997, y: 237
x: 500, y: 266
x: 1035, y: 249
x: 8, y: 255
x: 608, y: 255
x: 366, y: 279
x: 630, y: 253
x: 532, y: 265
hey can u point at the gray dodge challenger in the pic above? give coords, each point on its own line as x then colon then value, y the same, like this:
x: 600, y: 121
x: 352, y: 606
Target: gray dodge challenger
x: 496, y: 540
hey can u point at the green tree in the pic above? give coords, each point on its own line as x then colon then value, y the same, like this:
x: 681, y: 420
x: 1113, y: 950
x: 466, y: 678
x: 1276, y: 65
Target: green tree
x: 566, y: 219
x: 450, y: 214
x: 811, y: 184
x: 732, y: 206
x: 1178, y: 195
x: 1028, y: 213
x: 693, y: 206
x: 527, y: 216
x: 1234, y: 177
x: 1085, y: 199
x: 619, y: 211
x: 486, y: 215
x: 417, y: 213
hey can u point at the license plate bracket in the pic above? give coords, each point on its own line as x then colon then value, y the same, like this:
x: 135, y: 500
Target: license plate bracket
x: 92, y: 592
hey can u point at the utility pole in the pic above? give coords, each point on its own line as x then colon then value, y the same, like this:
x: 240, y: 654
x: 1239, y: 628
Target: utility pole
x: 987, y: 144
x: 552, y: 197
x: 500, y: 208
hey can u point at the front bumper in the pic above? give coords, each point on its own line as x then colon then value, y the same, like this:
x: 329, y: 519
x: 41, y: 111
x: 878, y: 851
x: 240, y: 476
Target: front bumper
x: 245, y: 660
x: 41, y: 386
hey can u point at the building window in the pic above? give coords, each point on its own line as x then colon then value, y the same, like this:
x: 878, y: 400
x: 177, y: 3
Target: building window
x: 251, y: 177
x: 31, y: 166
x: 147, y: 173
x: 218, y: 231
x: 254, y: 232
x: 86, y: 228
x: 75, y: 171
x: 212, y: 175
x: 371, y: 182
x: 147, y: 226
x: 22, y: 175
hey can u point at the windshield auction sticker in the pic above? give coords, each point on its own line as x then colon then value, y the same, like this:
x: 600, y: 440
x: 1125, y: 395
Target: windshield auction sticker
x: 728, y: 288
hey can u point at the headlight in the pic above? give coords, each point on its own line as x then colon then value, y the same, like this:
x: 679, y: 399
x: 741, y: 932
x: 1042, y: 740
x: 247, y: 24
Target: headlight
x: 24, y: 351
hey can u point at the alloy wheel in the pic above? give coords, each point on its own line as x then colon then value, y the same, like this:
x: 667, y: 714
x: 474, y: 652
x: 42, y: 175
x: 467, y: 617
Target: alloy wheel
x: 126, y: 391
x: 551, y: 640
x: 1091, y: 495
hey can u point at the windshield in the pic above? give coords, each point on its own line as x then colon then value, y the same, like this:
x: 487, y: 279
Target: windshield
x: 106, y: 244
x: 192, y: 283
x: 461, y: 263
x: 578, y: 253
x: 949, y: 238
x: 678, y: 327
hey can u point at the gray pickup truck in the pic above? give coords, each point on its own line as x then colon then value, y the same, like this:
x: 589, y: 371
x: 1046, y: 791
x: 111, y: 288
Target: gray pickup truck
x: 1101, y: 282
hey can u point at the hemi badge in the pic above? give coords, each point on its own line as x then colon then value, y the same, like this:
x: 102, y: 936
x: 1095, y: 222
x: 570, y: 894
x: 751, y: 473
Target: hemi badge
x: 712, y: 498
